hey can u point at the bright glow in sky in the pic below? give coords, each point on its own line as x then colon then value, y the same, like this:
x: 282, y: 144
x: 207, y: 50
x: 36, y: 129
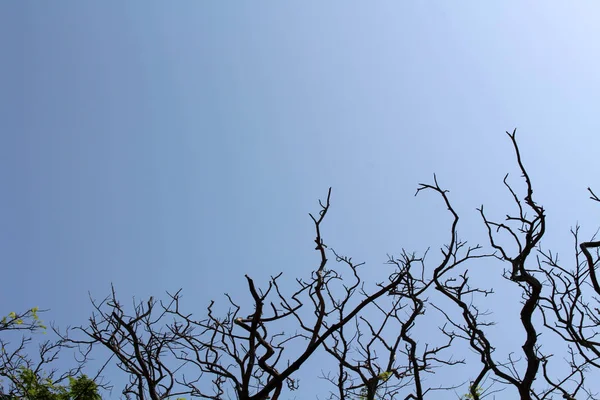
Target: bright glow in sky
x: 165, y: 145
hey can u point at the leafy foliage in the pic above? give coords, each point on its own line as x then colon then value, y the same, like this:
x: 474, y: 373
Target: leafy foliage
x: 25, y: 375
x: 478, y: 393
x: 29, y: 320
x: 33, y: 387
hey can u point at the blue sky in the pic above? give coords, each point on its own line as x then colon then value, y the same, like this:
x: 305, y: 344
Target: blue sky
x: 174, y: 145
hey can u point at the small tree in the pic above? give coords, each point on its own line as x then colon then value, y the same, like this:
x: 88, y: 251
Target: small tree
x: 26, y: 377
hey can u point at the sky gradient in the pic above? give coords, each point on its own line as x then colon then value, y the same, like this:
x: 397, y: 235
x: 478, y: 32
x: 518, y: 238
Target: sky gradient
x: 159, y: 146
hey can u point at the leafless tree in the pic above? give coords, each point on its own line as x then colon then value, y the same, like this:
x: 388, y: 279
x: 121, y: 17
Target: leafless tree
x: 232, y: 352
x: 571, y: 308
x: 253, y: 350
x: 525, y: 230
x: 378, y: 357
x: 141, y: 344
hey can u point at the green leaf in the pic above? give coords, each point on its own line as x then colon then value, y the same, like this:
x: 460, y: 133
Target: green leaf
x: 469, y: 396
x: 384, y: 376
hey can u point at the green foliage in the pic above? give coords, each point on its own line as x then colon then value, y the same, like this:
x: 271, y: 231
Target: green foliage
x: 469, y: 396
x: 28, y: 320
x: 29, y: 384
x: 33, y: 387
x: 83, y: 388
x: 384, y: 376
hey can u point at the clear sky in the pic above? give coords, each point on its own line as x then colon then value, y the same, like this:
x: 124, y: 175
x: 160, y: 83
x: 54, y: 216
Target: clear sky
x: 165, y: 145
